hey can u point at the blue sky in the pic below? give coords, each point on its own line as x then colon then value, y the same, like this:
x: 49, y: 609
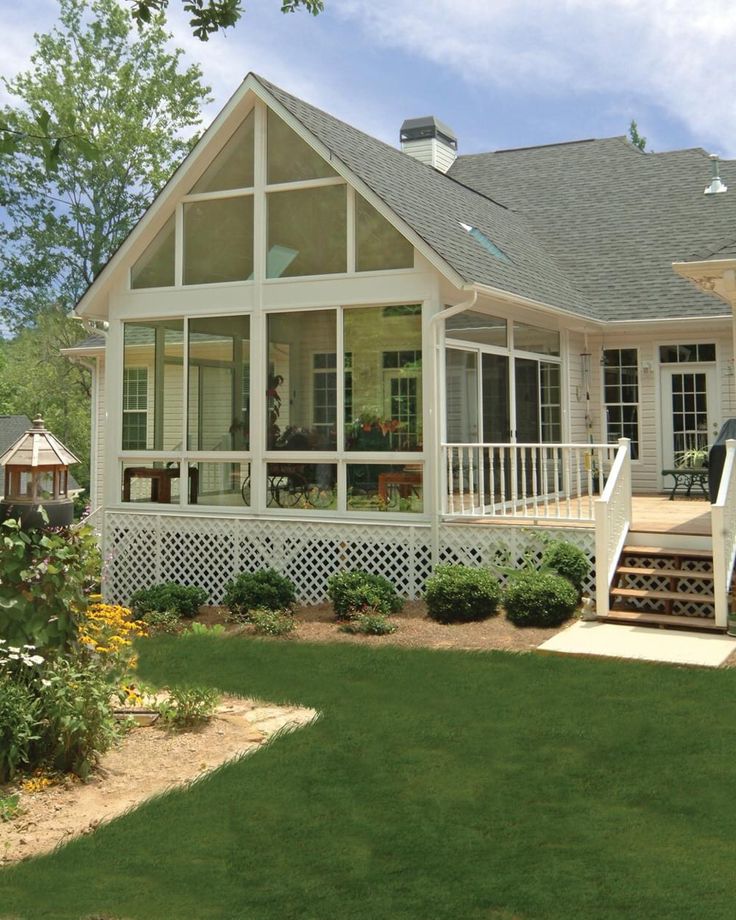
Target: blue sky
x: 502, y: 73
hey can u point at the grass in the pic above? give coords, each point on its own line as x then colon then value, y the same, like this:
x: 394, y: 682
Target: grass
x: 435, y: 785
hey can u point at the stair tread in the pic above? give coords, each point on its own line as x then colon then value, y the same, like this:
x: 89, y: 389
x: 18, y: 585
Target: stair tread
x: 668, y: 573
x: 635, y: 550
x: 662, y: 619
x: 647, y: 593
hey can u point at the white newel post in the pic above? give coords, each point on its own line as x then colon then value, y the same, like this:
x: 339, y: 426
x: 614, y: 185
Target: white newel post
x: 612, y: 513
x: 723, y: 528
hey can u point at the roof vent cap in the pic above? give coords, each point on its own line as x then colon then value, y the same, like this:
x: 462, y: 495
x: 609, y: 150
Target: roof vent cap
x: 716, y: 186
x: 430, y: 141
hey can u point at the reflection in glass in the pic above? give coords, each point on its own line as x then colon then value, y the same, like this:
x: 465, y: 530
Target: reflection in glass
x: 218, y: 240
x: 385, y: 487
x: 233, y: 165
x: 219, y: 392
x: 307, y: 232
x: 378, y: 244
x: 536, y: 339
x: 155, y: 267
x: 301, y: 392
x: 472, y: 326
x: 157, y: 482
x: 290, y: 158
x: 154, y: 352
x: 305, y: 486
x: 384, y: 348
x: 222, y: 484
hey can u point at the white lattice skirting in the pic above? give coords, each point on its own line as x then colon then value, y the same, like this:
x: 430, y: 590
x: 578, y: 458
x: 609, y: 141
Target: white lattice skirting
x: 144, y: 549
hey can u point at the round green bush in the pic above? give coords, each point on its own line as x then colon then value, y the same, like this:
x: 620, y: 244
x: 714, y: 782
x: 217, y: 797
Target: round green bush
x: 354, y: 593
x: 185, y: 600
x: 456, y: 594
x: 539, y: 599
x: 251, y: 590
x: 567, y: 560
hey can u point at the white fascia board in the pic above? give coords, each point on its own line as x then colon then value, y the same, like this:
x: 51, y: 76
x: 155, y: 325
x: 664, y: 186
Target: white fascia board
x: 89, y: 304
x: 370, y: 196
x: 518, y: 300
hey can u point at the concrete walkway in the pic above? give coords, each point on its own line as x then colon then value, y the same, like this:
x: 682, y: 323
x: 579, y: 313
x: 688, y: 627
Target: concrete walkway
x: 619, y: 641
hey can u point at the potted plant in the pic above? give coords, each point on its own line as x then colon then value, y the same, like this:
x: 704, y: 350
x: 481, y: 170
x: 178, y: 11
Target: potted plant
x: 693, y: 458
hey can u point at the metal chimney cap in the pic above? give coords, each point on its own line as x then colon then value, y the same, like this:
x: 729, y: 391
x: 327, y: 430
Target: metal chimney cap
x: 428, y: 126
x: 716, y: 186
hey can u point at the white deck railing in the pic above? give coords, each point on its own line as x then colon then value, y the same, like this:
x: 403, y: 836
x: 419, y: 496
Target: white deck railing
x: 723, y: 526
x: 612, y: 523
x: 525, y: 481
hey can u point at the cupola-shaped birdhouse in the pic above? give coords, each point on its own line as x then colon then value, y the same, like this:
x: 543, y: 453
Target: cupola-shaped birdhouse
x: 36, y: 477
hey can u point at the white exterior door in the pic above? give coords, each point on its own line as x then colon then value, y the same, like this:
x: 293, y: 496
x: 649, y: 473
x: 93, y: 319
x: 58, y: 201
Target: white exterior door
x: 690, y: 410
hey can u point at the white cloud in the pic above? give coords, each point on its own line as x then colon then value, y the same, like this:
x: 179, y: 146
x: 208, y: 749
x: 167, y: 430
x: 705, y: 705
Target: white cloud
x: 672, y: 54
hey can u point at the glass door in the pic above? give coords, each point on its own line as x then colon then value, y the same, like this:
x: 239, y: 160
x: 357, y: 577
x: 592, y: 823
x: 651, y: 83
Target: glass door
x: 689, y: 413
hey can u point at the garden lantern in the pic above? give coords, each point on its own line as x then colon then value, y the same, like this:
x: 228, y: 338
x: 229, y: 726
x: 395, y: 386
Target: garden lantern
x: 36, y: 477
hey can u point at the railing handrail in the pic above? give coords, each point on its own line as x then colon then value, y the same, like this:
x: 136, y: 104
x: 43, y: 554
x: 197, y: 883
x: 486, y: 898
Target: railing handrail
x: 616, y: 498
x: 723, y: 536
x: 578, y: 444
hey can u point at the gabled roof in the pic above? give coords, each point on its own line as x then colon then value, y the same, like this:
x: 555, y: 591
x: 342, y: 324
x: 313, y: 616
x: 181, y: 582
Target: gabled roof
x: 435, y: 207
x: 615, y: 219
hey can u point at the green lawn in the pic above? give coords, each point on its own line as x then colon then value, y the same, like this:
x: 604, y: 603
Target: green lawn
x: 436, y: 785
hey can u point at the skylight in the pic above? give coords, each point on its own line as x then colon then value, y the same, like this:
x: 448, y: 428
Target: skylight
x: 483, y: 240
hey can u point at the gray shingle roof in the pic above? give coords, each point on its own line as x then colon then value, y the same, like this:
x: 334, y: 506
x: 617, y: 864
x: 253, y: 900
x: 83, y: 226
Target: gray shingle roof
x: 615, y: 219
x: 434, y: 206
x: 93, y: 341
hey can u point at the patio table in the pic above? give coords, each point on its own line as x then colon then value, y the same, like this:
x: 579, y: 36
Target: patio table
x: 687, y: 477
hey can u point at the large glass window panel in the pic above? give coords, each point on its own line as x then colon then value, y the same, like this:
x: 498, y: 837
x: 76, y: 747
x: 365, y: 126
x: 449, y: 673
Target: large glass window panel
x: 472, y: 326
x: 378, y: 244
x: 385, y: 487
x: 156, y: 348
x: 301, y: 391
x: 157, y: 482
x: 218, y: 240
x: 306, y: 486
x: 461, y: 399
x: 385, y: 349
x: 535, y: 338
x: 307, y: 232
x: 291, y: 159
x: 621, y: 395
x: 155, y: 268
x: 233, y: 165
x: 223, y: 484
x: 219, y: 363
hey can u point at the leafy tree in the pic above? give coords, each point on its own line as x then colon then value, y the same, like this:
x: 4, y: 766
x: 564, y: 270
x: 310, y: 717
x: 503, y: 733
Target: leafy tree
x: 131, y: 110
x: 210, y: 16
x: 36, y: 378
x: 635, y: 138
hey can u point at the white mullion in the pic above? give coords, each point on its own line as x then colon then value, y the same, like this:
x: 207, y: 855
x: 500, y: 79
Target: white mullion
x: 342, y: 495
x: 259, y: 198
x: 214, y: 196
x: 299, y: 184
x: 184, y: 464
x: 258, y: 327
x: 179, y: 246
x: 351, y: 235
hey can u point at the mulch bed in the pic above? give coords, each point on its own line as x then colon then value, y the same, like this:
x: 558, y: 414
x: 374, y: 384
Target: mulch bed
x: 316, y: 623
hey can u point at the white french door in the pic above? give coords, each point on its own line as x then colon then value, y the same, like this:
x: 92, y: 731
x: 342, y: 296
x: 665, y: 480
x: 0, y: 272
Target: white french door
x: 690, y: 410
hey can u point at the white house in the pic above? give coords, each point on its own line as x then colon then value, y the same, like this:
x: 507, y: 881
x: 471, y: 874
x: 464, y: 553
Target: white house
x: 322, y: 352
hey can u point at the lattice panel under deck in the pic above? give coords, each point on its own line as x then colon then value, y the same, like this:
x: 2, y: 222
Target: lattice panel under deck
x: 144, y: 549
x: 490, y: 544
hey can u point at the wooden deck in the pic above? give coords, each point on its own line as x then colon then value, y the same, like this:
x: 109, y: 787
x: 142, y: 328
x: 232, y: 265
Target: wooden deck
x: 657, y: 514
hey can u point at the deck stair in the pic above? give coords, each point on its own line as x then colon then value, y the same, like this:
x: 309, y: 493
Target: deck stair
x: 664, y: 580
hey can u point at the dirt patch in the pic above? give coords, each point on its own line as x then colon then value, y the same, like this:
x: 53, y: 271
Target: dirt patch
x: 146, y: 762
x: 316, y: 623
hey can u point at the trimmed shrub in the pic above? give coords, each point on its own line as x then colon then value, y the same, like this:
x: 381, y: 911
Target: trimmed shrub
x: 183, y: 599
x: 272, y: 622
x: 457, y: 594
x: 253, y: 590
x: 567, y: 560
x: 353, y: 593
x: 539, y: 599
x: 370, y: 624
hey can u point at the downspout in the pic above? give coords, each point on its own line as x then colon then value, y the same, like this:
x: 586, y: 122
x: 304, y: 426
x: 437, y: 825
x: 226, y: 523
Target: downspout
x: 439, y: 402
